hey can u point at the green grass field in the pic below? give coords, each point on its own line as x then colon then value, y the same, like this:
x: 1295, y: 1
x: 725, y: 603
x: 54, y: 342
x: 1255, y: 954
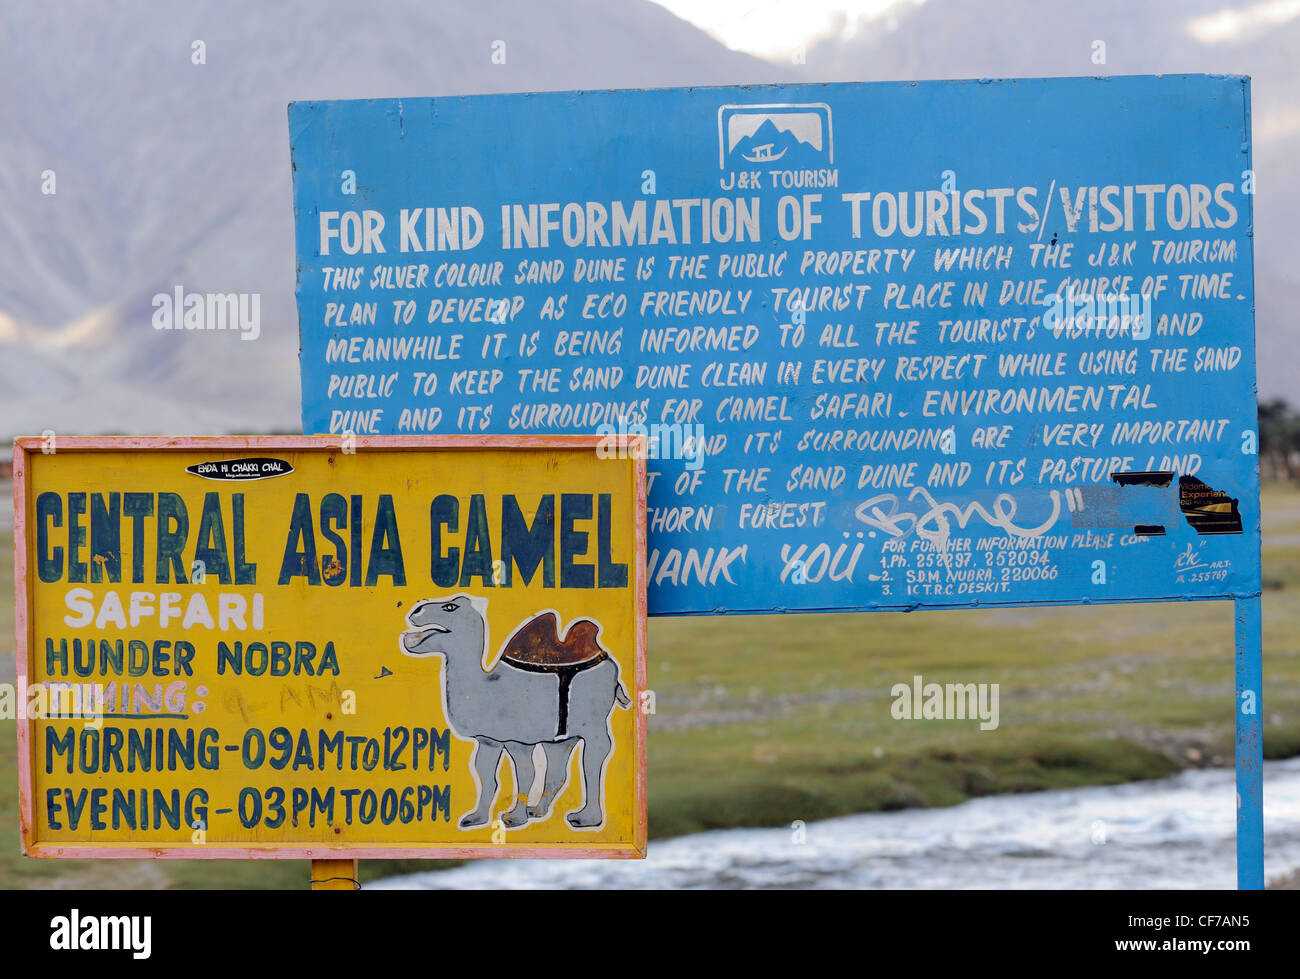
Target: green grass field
x: 764, y: 720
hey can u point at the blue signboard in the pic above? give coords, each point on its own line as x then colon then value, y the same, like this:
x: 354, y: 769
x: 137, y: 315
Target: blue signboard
x: 896, y: 345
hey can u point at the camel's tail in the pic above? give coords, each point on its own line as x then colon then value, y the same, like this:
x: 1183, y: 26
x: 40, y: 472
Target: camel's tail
x: 621, y: 696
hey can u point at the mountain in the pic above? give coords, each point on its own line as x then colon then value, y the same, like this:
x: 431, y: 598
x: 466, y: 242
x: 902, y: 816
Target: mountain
x: 1037, y: 38
x: 169, y: 172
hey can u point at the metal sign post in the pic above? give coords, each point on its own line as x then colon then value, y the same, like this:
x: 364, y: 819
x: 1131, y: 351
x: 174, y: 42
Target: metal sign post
x: 1249, y: 743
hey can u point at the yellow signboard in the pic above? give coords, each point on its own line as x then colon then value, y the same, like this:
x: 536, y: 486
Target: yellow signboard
x: 296, y: 647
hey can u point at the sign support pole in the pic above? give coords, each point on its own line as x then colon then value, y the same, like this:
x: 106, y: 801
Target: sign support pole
x: 1250, y: 744
x: 334, y: 875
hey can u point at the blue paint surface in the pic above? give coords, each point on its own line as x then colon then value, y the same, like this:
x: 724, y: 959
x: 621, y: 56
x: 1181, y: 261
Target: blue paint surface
x: 998, y: 509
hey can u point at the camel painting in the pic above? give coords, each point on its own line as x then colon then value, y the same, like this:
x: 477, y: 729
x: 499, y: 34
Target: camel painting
x: 546, y: 688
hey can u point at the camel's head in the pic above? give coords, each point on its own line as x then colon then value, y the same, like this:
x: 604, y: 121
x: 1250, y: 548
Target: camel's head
x: 437, y: 625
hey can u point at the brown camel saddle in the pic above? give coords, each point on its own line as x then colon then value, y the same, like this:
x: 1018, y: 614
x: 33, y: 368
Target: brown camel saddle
x: 537, y: 647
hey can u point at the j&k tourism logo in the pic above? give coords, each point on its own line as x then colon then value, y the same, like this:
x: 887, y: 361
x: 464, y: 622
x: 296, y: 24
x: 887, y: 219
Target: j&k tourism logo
x: 778, y: 146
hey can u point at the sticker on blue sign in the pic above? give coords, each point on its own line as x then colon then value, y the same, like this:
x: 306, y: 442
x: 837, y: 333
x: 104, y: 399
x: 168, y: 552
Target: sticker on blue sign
x: 891, y: 345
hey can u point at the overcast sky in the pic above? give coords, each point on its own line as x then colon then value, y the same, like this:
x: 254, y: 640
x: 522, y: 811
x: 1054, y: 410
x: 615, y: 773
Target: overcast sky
x: 777, y: 28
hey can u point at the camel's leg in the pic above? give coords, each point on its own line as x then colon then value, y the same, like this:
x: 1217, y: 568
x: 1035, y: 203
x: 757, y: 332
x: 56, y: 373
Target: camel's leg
x: 487, y: 758
x: 596, y: 746
x: 521, y: 756
x: 557, y: 774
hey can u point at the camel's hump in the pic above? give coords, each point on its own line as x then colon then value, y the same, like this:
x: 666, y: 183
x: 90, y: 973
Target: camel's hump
x: 537, y: 642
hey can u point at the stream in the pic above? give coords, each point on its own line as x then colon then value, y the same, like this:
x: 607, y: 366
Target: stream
x: 1168, y: 833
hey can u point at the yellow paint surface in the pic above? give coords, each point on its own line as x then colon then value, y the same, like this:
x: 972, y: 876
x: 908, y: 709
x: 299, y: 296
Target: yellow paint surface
x: 378, y: 687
